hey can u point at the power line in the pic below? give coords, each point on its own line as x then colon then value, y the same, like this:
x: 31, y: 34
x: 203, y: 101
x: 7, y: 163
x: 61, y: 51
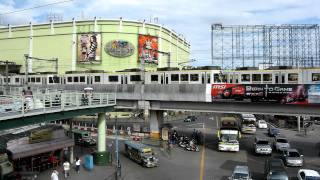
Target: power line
x: 35, y: 7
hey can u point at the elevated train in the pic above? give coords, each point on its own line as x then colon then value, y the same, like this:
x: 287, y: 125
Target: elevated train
x: 191, y: 76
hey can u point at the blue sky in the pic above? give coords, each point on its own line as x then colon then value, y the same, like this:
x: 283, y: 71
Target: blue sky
x: 191, y: 18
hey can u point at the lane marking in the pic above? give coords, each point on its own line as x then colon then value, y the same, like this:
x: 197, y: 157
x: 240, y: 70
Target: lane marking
x: 202, y: 161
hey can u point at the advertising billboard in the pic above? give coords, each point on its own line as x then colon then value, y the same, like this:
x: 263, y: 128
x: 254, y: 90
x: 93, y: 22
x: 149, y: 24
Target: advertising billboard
x: 148, y: 49
x: 89, y: 48
x: 277, y: 93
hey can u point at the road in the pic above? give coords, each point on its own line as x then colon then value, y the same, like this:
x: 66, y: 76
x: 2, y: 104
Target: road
x: 209, y: 163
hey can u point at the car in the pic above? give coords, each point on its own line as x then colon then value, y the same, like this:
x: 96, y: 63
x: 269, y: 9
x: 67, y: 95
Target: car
x: 272, y: 131
x: 262, y: 146
x: 274, y: 170
x: 190, y: 119
x: 262, y: 124
x: 281, y: 143
x: 241, y: 173
x: 308, y: 174
x: 291, y: 157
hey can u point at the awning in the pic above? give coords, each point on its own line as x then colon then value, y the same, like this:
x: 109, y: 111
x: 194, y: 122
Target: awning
x: 22, y: 150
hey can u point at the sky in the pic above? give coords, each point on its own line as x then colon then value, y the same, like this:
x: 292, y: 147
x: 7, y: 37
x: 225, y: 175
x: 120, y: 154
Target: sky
x: 191, y: 18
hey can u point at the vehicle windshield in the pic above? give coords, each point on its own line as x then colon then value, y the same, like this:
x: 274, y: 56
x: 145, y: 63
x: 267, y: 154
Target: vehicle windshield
x: 294, y: 154
x: 262, y: 122
x: 263, y: 142
x: 278, y: 176
x: 240, y: 175
x: 312, y: 178
x: 282, y: 141
x: 229, y: 137
x: 247, y: 122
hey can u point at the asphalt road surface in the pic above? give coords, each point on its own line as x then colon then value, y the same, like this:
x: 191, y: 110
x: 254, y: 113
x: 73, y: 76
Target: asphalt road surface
x: 209, y: 163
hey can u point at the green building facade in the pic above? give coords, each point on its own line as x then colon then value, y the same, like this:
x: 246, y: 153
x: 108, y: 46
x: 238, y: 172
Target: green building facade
x: 116, y: 45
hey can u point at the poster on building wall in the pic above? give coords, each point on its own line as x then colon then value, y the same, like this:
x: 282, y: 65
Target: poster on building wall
x: 89, y: 48
x: 148, y: 49
x: 272, y: 93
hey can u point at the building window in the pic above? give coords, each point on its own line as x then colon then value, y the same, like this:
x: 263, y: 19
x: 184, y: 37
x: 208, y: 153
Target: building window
x: 184, y: 77
x: 267, y: 77
x: 113, y: 78
x: 82, y: 79
x: 245, y: 77
x: 97, y: 79
x: 315, y: 76
x: 256, y: 77
x: 154, y: 77
x: 135, y: 78
x: 194, y: 77
x: 293, y: 77
x: 174, y: 77
x: 75, y: 79
x: 69, y: 79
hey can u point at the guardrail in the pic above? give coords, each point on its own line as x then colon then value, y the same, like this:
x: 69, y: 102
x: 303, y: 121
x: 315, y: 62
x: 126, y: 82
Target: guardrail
x: 13, y: 105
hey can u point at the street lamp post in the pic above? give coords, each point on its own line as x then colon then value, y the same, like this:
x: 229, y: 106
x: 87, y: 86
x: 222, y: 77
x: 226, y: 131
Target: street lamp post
x: 118, y: 165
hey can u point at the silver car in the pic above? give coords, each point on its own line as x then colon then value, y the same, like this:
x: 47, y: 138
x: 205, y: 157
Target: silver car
x: 281, y: 143
x: 240, y: 173
x: 262, y: 146
x: 291, y: 157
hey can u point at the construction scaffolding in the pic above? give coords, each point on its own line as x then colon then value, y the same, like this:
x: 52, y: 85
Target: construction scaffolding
x: 269, y: 45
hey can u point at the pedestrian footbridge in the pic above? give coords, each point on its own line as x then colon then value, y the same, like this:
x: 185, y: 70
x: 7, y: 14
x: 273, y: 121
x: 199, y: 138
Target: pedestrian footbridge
x: 18, y: 110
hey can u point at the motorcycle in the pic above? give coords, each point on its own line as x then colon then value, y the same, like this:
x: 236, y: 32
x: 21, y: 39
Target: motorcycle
x: 183, y: 142
x: 191, y: 146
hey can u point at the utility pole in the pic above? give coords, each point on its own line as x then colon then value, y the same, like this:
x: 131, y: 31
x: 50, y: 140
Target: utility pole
x: 27, y: 67
x: 7, y: 72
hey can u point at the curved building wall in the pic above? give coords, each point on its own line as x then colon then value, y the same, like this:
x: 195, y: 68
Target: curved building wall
x: 62, y: 41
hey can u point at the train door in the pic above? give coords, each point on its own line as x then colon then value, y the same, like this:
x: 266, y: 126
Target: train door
x: 167, y: 79
x: 202, y: 78
x: 162, y: 79
x: 283, y: 78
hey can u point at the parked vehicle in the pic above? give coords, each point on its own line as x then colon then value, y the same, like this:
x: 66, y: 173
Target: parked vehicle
x: 274, y: 169
x: 190, y: 119
x: 192, y: 146
x: 281, y: 143
x: 291, y: 157
x: 272, y: 131
x: 308, y: 174
x: 83, y: 138
x: 141, y: 154
x: 262, y: 124
x: 262, y: 146
x: 241, y: 173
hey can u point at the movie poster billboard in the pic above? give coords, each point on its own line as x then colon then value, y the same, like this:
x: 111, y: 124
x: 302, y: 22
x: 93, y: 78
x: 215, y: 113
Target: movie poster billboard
x: 89, y: 48
x: 147, y: 49
x: 276, y: 93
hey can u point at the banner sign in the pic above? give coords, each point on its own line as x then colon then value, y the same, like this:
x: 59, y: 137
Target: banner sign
x: 279, y: 93
x: 89, y: 48
x: 148, y: 49
x: 119, y: 48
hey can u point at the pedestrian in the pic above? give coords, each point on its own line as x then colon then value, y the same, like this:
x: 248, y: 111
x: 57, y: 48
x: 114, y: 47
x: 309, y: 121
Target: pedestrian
x: 55, y: 175
x: 66, y: 168
x: 78, y: 163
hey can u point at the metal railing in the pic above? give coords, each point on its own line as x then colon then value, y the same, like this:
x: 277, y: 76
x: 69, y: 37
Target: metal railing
x: 15, y: 105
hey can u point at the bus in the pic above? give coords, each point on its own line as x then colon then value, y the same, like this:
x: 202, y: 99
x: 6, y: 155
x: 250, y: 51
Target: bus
x: 248, y: 123
x: 83, y: 138
x: 228, y: 134
x: 140, y: 153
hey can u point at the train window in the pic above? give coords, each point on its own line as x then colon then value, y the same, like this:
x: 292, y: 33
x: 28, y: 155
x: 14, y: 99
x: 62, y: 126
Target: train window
x: 6, y: 80
x: 17, y: 80
x: 56, y: 79
x: 37, y: 79
x: 315, y: 76
x: 135, y: 78
x: 97, y: 79
x: 76, y: 79
x: 267, y: 77
x: 82, y: 79
x: 174, y: 77
x: 69, y: 79
x: 216, y: 78
x: 154, y: 77
x: 33, y: 79
x: 245, y: 77
x: 184, y: 77
x: 194, y: 77
x: 256, y: 77
x: 293, y: 77
x: 113, y: 78
x: 236, y: 77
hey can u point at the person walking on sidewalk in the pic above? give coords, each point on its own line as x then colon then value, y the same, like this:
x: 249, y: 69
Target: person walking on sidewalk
x: 78, y: 163
x: 66, y: 168
x: 54, y: 175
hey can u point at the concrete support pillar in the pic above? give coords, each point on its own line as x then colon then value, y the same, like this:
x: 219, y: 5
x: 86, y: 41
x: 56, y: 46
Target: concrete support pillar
x: 71, y: 157
x: 298, y: 125
x: 101, y: 132
x: 156, y: 121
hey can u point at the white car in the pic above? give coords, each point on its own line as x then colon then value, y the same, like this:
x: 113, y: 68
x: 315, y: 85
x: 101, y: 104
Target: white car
x: 281, y: 143
x: 262, y: 124
x: 308, y: 174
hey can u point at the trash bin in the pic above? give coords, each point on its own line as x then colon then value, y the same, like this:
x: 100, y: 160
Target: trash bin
x: 88, y: 162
